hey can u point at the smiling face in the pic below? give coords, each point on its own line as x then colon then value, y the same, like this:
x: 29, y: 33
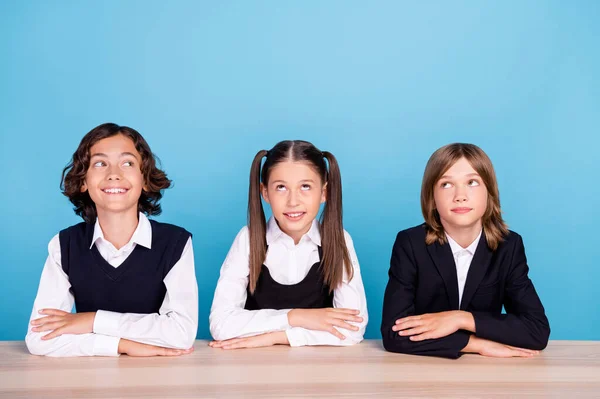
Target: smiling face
x: 114, y: 179
x: 295, y: 192
x: 460, y: 198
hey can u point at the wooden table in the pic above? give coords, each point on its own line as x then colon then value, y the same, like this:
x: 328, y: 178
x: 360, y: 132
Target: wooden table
x: 565, y: 369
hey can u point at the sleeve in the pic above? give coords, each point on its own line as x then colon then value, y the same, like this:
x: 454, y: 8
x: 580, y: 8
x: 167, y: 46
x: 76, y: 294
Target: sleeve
x: 54, y: 293
x: 228, y: 318
x: 398, y: 302
x: 350, y: 295
x: 525, y: 324
x: 176, y: 323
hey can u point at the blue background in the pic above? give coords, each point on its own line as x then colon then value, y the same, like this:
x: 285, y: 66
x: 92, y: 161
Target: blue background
x: 379, y: 84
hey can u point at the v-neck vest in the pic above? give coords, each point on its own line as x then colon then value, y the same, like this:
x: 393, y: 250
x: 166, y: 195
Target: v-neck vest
x: 136, y: 286
x: 310, y: 293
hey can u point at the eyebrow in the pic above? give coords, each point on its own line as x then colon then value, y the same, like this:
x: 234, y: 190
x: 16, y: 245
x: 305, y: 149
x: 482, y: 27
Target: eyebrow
x: 301, y: 181
x: 467, y: 175
x: 101, y: 154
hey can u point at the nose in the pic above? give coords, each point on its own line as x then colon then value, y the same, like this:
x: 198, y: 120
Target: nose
x: 460, y: 195
x: 114, y: 173
x: 293, y: 199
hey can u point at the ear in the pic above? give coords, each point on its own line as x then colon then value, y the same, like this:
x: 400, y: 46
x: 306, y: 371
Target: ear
x: 324, y: 193
x: 265, y: 193
x: 83, y: 188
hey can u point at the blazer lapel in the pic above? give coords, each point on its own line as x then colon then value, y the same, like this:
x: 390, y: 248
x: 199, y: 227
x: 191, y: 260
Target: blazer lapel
x: 479, y: 265
x: 444, y: 262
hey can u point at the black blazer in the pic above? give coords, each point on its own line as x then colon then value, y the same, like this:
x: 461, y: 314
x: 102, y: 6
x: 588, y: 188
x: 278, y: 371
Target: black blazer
x: 422, y: 279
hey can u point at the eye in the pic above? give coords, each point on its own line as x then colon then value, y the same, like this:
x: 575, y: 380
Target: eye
x: 280, y: 187
x: 473, y: 183
x: 305, y: 187
x: 445, y: 185
x: 128, y: 163
x: 98, y: 164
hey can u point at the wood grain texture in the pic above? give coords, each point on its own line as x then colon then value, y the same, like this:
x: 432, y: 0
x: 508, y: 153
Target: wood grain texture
x: 564, y: 369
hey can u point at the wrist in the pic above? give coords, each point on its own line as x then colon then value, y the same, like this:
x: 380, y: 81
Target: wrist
x: 122, y: 348
x: 292, y: 315
x: 473, y: 346
x: 281, y: 338
x: 92, y: 320
x: 467, y: 321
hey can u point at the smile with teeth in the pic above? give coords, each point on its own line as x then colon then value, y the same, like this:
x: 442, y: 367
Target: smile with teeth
x: 294, y: 215
x: 115, y: 190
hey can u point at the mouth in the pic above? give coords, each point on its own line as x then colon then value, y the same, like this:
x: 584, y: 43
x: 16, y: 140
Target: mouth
x: 115, y: 190
x: 461, y: 210
x: 294, y: 216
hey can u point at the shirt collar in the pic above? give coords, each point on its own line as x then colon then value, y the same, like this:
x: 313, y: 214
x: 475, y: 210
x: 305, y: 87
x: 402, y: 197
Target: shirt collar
x: 274, y: 232
x: 141, y: 236
x: 456, y: 248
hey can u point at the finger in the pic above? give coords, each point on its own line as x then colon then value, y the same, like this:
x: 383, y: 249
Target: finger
x: 408, y: 319
x: 342, y: 324
x: 529, y: 351
x: 42, y: 328
x: 522, y: 349
x: 48, y: 326
x: 179, y: 351
x: 220, y: 344
x: 336, y: 333
x: 507, y: 351
x: 170, y: 352
x: 187, y: 351
x: 232, y: 341
x: 421, y: 337
x: 413, y: 331
x: 53, y: 312
x: 407, y: 324
x: 162, y: 351
x: 346, y: 317
x: 345, y: 311
x: 51, y: 319
x: 239, y: 344
x: 518, y: 353
x: 53, y: 334
x: 42, y: 320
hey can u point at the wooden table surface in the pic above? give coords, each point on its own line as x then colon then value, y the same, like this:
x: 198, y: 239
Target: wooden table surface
x: 566, y: 369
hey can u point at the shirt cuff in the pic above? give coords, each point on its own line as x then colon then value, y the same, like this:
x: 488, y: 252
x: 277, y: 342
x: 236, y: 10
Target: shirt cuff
x: 282, y: 321
x: 296, y: 336
x: 105, y: 345
x: 107, y: 323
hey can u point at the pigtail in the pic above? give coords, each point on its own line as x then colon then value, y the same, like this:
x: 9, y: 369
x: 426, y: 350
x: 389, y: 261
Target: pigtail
x: 335, y: 253
x: 257, y: 225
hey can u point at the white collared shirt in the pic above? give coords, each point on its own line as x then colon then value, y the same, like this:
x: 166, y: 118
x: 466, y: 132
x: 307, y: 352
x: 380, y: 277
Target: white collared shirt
x: 462, y: 258
x: 288, y: 264
x: 174, y: 326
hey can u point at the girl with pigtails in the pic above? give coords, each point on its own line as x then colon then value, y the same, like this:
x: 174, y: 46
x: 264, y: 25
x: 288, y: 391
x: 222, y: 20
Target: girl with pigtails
x: 291, y: 280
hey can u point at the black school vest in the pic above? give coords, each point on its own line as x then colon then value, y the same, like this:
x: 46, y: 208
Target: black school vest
x: 310, y: 293
x: 136, y: 286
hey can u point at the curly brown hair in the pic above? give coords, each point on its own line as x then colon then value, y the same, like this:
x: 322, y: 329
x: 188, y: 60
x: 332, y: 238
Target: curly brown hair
x: 73, y: 175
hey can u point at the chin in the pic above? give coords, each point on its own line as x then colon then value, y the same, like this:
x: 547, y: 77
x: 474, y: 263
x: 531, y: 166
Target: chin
x: 296, y: 228
x: 465, y: 225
